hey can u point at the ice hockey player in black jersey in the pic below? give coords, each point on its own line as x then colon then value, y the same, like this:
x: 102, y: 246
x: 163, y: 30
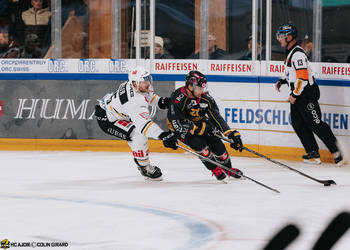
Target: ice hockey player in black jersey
x: 304, y: 94
x: 194, y: 117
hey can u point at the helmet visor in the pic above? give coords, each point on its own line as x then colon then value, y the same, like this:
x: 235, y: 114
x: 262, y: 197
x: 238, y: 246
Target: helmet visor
x: 280, y: 35
x: 148, y: 78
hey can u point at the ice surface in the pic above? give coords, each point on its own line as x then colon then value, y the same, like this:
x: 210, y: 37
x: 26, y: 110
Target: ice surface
x: 98, y: 200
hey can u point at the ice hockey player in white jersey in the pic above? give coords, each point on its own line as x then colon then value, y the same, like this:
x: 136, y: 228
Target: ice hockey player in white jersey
x: 125, y: 115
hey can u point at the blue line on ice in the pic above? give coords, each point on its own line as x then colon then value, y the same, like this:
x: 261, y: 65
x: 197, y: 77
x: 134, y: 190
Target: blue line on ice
x: 200, y: 233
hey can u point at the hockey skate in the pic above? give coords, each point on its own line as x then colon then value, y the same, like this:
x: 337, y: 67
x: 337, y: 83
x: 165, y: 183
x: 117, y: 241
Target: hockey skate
x: 219, y: 174
x: 312, y: 157
x: 151, y: 173
x: 338, y: 159
x: 236, y: 170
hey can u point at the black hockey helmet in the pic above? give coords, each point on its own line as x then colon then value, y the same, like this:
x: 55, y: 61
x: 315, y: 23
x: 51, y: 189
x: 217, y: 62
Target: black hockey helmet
x: 287, y: 29
x: 196, y: 79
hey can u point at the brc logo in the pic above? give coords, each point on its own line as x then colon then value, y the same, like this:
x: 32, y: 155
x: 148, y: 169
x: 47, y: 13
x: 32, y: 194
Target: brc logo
x: 1, y: 109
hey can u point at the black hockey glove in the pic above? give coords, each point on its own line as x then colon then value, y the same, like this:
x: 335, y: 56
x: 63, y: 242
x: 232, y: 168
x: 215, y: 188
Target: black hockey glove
x: 163, y: 102
x: 237, y: 144
x: 204, y: 128
x: 279, y: 83
x: 169, y: 139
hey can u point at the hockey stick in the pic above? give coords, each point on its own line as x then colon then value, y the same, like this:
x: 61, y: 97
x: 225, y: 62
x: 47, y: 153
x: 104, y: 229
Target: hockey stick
x: 324, y: 182
x: 283, y: 238
x: 226, y: 168
x: 334, y: 231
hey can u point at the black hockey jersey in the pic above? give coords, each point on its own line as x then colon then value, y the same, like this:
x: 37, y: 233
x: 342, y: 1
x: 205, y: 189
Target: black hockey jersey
x: 184, y: 113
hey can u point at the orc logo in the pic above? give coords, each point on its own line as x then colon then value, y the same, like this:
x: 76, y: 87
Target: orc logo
x: 1, y: 109
x: 315, y: 116
x: 310, y: 106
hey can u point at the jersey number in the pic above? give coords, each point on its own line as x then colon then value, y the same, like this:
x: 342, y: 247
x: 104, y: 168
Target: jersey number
x: 123, y: 96
x: 194, y: 112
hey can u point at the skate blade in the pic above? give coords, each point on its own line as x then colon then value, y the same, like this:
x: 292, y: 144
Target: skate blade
x: 224, y: 181
x: 236, y: 179
x: 315, y: 161
x: 160, y: 178
x: 340, y: 164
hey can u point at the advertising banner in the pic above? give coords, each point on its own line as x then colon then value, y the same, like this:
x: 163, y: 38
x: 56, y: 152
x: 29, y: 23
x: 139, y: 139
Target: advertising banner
x: 243, y: 89
x: 58, y: 109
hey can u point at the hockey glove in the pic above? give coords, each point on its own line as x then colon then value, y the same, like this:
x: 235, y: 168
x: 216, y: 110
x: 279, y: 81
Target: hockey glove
x: 204, y: 129
x: 279, y: 83
x: 163, y: 102
x: 237, y: 144
x: 169, y: 139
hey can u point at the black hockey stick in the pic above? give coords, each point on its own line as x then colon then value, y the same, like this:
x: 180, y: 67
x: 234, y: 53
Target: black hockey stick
x: 226, y: 168
x: 334, y: 231
x: 324, y: 182
x: 283, y: 238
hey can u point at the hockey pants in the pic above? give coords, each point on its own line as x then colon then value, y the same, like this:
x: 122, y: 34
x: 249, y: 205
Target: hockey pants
x: 125, y: 130
x: 211, y: 147
x: 306, y: 119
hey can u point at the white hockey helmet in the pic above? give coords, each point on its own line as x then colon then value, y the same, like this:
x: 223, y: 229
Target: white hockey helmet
x: 140, y: 74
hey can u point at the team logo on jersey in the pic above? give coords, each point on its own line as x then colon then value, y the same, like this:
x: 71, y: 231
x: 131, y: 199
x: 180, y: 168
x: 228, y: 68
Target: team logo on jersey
x: 192, y: 104
x: 310, y: 106
x: 145, y: 115
x: 203, y: 105
x: 134, y: 72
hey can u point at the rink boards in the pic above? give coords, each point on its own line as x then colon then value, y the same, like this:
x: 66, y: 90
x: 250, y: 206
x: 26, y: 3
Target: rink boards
x: 43, y: 102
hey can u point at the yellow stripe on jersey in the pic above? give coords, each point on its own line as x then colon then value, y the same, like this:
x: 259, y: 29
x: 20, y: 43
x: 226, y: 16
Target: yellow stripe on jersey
x: 203, y: 128
x: 170, y: 126
x: 120, y: 115
x: 298, y: 87
x: 217, y: 122
x: 148, y: 126
x: 154, y: 96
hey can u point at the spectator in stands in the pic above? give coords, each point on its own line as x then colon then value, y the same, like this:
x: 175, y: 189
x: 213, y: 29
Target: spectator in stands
x: 37, y: 15
x: 215, y: 53
x: 36, y: 20
x: 307, y: 46
x: 14, y: 16
x: 4, y: 38
x: 31, y: 49
x: 248, y: 54
x: 159, y: 51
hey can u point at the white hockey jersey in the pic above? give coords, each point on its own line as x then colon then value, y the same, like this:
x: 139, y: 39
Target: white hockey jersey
x: 131, y: 105
x: 298, y: 72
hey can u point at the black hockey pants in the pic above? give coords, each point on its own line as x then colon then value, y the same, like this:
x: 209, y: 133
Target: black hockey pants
x: 211, y: 147
x: 307, y: 119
